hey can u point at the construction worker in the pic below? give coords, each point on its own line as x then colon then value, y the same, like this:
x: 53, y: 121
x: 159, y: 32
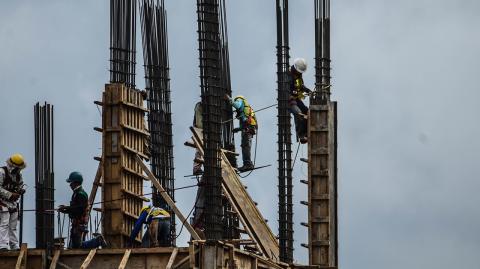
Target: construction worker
x: 248, y: 127
x: 197, y: 123
x: 77, y: 211
x: 298, y: 91
x: 158, y: 221
x: 11, y: 188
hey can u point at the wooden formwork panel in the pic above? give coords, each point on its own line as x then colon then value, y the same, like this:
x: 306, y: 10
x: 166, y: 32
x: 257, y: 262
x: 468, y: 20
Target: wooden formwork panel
x: 322, y: 185
x: 124, y: 135
x: 36, y: 259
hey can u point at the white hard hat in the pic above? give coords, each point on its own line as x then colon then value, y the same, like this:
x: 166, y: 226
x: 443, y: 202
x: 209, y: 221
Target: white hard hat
x: 300, y: 65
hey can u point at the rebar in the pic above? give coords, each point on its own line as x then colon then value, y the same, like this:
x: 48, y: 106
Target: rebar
x: 157, y: 80
x: 231, y: 222
x: 322, y: 52
x: 285, y: 210
x: 212, y: 102
x: 122, y: 41
x: 44, y: 176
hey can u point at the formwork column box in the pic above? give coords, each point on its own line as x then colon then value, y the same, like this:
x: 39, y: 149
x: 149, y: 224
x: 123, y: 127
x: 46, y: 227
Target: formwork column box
x: 124, y: 136
x: 322, y: 202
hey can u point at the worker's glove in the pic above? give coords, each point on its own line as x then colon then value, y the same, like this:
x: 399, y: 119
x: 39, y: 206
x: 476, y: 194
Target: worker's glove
x: 236, y: 130
x: 14, y: 197
x: 226, y: 97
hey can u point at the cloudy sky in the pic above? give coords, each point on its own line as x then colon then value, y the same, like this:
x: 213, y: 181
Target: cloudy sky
x: 404, y: 74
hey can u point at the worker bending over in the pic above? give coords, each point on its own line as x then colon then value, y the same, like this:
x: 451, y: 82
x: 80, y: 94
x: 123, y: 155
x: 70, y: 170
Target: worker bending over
x: 77, y: 211
x: 298, y: 91
x: 248, y: 127
x: 158, y: 221
x: 11, y: 188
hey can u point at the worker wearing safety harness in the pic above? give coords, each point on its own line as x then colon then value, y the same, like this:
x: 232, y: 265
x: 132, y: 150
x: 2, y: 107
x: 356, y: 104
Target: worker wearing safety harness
x: 248, y: 127
x: 77, y: 211
x: 298, y: 92
x: 11, y: 188
x: 158, y: 221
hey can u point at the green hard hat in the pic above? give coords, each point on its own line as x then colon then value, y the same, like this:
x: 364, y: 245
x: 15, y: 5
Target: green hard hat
x: 75, y: 177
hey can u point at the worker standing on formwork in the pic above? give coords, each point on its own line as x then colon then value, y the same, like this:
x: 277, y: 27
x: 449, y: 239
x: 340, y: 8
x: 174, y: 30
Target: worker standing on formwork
x: 248, y: 127
x: 197, y: 123
x: 77, y: 211
x: 298, y: 91
x: 11, y: 188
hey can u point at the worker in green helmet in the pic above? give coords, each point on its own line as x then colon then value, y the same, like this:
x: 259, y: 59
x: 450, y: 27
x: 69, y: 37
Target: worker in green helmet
x: 77, y: 211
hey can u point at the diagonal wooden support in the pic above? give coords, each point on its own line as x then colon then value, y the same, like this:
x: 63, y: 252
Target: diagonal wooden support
x: 172, y: 259
x: 89, y: 258
x: 93, y: 192
x: 125, y: 258
x: 254, y: 221
x: 22, y: 258
x: 56, y: 255
x: 167, y: 198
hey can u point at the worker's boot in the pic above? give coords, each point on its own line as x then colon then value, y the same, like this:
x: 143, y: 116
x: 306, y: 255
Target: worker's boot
x: 246, y: 167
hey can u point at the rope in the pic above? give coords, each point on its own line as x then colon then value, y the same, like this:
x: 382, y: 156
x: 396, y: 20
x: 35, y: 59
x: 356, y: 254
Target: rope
x: 119, y: 199
x: 298, y: 147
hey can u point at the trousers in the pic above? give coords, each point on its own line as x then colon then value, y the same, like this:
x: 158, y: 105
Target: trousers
x: 8, y: 229
x: 297, y: 107
x: 246, y: 147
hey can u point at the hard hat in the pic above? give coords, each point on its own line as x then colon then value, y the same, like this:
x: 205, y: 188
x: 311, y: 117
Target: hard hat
x: 300, y: 65
x: 239, y: 97
x: 75, y: 177
x: 16, y: 160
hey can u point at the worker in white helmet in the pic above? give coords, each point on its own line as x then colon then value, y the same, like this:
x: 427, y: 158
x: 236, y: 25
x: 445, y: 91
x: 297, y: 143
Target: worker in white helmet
x: 11, y: 188
x: 298, y: 92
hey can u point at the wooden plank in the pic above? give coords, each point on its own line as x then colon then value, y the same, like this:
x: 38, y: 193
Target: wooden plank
x: 61, y: 264
x: 22, y: 257
x: 56, y: 255
x: 89, y: 258
x: 246, y: 207
x: 93, y: 191
x: 168, y: 199
x: 172, y: 259
x: 191, y: 254
x: 124, y: 261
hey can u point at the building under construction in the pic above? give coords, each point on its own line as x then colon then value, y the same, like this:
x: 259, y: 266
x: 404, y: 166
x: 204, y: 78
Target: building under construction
x: 137, y: 147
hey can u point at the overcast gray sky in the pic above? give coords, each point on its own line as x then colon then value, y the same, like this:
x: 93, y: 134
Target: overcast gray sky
x: 404, y: 74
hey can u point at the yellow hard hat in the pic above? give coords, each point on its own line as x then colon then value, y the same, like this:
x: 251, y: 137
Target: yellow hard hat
x: 17, y: 160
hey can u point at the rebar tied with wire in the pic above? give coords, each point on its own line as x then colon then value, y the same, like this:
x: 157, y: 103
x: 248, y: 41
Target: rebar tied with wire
x: 322, y: 52
x: 122, y: 41
x: 44, y: 177
x: 212, y: 101
x: 157, y: 80
x: 285, y: 204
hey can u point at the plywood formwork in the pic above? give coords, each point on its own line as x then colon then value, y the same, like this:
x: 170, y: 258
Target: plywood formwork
x: 243, y: 204
x: 124, y: 134
x: 322, y: 190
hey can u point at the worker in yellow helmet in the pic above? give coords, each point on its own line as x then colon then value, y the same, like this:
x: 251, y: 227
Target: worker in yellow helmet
x: 11, y: 188
x: 248, y: 127
x: 298, y: 92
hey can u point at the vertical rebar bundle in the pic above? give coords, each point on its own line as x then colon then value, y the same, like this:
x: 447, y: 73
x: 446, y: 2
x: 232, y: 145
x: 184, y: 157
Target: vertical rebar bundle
x: 322, y: 52
x: 231, y: 221
x: 157, y: 81
x: 285, y: 211
x: 44, y: 176
x: 122, y: 41
x: 212, y: 102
